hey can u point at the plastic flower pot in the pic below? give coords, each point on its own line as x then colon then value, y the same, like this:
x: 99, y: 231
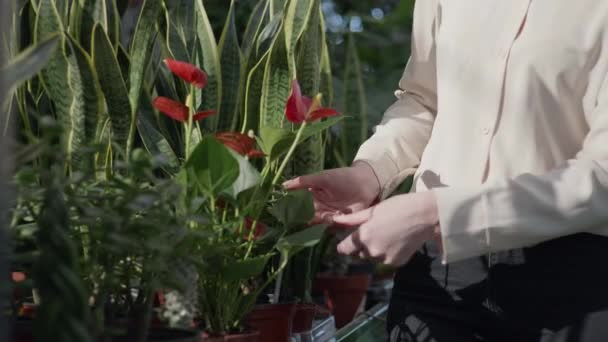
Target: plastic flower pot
x: 302, y: 322
x: 273, y: 321
x: 343, y: 294
x: 303, y: 318
x: 251, y: 336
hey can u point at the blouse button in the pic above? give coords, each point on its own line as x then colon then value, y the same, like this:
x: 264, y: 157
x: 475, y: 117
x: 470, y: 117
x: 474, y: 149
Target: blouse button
x: 485, y: 131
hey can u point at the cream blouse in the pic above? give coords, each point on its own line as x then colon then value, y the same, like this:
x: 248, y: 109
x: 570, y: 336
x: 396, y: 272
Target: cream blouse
x: 503, y: 112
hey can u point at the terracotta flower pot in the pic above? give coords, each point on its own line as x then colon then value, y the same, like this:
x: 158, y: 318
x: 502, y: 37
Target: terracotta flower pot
x: 343, y: 294
x: 303, y: 318
x: 273, y: 321
x: 252, y: 336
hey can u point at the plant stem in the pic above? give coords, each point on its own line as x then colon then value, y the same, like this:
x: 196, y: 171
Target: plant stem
x: 190, y: 104
x: 290, y: 153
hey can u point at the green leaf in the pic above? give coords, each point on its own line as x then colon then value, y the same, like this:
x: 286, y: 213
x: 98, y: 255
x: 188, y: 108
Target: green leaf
x: 88, y: 98
x: 310, y: 155
x: 152, y: 139
x: 248, y: 178
x: 318, y: 127
x: 294, y: 243
x: 213, y: 165
x: 295, y: 208
x: 353, y: 131
x: 29, y: 62
x: 253, y: 92
x: 245, y: 269
x: 231, y: 62
x: 296, y: 22
x: 141, y: 50
x: 113, y: 86
x: 275, y: 142
x: 255, y: 24
x: 208, y: 59
x: 276, y: 6
x: 276, y: 86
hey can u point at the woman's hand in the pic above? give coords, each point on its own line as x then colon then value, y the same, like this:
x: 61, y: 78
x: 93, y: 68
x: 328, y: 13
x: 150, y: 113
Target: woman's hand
x: 339, y: 191
x: 392, y: 231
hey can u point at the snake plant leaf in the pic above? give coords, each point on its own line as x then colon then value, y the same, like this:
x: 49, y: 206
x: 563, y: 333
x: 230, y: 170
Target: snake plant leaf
x: 326, y: 86
x: 114, y: 19
x: 141, y: 49
x: 112, y: 85
x: 155, y: 142
x: 209, y: 60
x: 310, y: 155
x: 276, y: 86
x: 87, y: 103
x: 231, y: 61
x: 268, y: 33
x: 253, y: 92
x: 55, y: 80
x: 354, y: 131
x: 296, y: 22
x: 256, y: 22
x: 29, y: 62
x: 277, y: 6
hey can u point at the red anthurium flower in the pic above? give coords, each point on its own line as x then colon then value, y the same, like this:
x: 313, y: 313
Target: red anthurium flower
x: 300, y: 108
x: 187, y: 72
x: 177, y: 111
x: 240, y: 143
x: 260, y: 229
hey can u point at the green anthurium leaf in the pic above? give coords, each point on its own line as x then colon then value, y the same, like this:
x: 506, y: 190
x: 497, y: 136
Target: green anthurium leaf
x: 248, y: 178
x: 295, y: 208
x: 275, y: 142
x: 245, y: 269
x: 29, y: 62
x: 214, y: 167
x: 294, y: 243
x: 319, y: 127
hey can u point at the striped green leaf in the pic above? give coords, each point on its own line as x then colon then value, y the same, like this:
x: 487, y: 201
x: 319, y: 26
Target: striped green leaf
x: 208, y: 59
x: 296, y: 21
x: 55, y: 74
x: 257, y: 20
x: 29, y: 62
x: 141, y: 49
x: 231, y: 62
x: 87, y: 101
x: 326, y: 86
x: 113, y: 86
x: 354, y: 130
x: 276, y: 85
x: 152, y: 139
x: 276, y: 6
x: 253, y: 93
x: 309, y: 155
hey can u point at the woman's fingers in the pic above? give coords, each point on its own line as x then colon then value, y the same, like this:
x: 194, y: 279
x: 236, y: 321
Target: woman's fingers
x: 304, y: 182
x: 355, y: 219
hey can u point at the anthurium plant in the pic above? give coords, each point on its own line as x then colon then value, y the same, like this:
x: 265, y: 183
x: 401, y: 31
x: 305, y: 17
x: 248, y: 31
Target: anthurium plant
x: 247, y: 218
